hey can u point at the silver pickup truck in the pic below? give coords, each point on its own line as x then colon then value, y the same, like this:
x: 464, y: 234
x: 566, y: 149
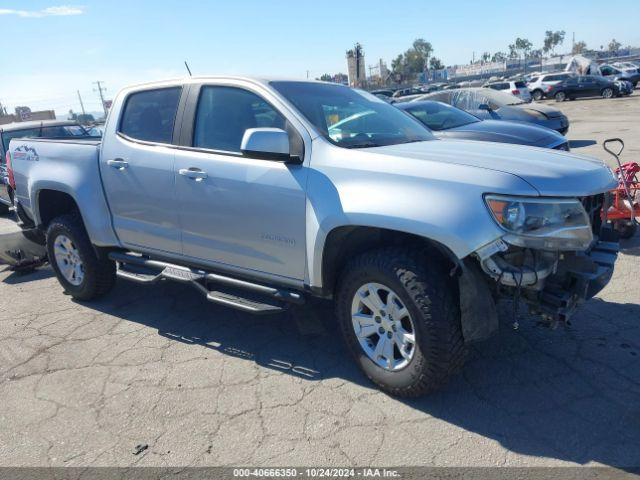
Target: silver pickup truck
x: 261, y: 194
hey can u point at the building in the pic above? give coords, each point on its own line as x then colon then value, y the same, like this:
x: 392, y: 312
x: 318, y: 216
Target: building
x: 25, y: 114
x: 355, y: 65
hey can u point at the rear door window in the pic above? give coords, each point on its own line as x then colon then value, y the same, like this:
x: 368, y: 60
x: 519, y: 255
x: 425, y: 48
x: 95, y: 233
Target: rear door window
x: 520, y: 84
x: 150, y: 115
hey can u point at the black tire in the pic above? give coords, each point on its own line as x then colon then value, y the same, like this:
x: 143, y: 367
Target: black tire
x: 626, y: 229
x: 537, y: 95
x: 560, y: 97
x: 99, y: 271
x: 4, y: 209
x: 431, y: 297
x: 607, y: 92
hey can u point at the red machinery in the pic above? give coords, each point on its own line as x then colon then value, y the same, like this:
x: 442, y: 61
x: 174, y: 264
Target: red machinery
x: 625, y: 206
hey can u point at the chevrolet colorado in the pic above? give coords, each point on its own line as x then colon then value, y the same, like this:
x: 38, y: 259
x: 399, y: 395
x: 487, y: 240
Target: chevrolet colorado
x: 248, y: 190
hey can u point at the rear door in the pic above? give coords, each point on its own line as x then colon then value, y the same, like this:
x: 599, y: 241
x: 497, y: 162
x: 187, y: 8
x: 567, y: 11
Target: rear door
x: 238, y: 212
x: 4, y: 195
x: 590, y: 87
x: 137, y: 170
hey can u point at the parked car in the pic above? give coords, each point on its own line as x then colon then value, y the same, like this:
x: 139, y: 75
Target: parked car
x: 584, y: 86
x: 382, y: 92
x: 44, y: 129
x: 447, y: 122
x: 517, y: 88
x: 269, y: 192
x: 627, y: 66
x: 624, y: 87
x: 612, y: 73
x: 540, y: 85
x: 489, y: 104
x: 403, y: 92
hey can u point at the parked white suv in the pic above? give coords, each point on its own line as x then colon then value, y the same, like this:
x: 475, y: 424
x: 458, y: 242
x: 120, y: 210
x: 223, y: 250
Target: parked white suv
x: 539, y: 86
x: 514, y: 87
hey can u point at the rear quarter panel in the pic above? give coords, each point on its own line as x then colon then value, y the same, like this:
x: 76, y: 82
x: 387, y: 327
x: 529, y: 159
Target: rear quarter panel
x: 67, y: 167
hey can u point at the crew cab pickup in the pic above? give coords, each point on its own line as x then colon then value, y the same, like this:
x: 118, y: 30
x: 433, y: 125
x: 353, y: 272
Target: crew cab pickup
x: 261, y: 194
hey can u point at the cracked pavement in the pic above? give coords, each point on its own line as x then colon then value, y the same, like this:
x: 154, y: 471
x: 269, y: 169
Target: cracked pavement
x: 92, y: 384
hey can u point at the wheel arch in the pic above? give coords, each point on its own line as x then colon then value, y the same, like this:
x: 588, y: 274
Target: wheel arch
x: 51, y: 203
x: 344, y: 242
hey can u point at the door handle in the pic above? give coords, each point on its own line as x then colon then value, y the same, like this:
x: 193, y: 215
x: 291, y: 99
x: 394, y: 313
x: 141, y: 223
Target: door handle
x: 118, y: 163
x: 195, y: 173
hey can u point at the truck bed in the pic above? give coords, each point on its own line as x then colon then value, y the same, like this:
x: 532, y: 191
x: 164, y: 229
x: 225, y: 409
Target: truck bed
x: 70, y: 166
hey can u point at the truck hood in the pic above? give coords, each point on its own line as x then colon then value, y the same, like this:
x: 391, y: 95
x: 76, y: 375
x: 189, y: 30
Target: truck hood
x: 550, y: 172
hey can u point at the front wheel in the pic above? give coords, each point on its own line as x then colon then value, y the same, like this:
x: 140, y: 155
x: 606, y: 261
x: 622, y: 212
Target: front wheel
x: 400, y: 318
x: 560, y: 97
x: 625, y: 228
x: 83, y: 273
x: 607, y: 93
x: 537, y: 95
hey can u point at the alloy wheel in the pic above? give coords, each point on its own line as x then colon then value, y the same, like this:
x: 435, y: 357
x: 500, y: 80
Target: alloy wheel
x: 383, y: 326
x: 68, y: 260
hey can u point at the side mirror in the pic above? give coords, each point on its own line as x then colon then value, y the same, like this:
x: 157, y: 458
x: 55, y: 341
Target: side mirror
x: 266, y: 144
x: 484, y: 106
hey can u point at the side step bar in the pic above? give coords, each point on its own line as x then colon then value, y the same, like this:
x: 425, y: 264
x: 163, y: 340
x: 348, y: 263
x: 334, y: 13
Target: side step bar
x: 151, y: 271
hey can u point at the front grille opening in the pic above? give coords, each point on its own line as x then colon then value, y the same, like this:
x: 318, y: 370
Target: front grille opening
x: 593, y: 205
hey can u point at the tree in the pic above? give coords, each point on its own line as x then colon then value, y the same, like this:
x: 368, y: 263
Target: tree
x: 499, y: 57
x: 325, y: 77
x: 423, y: 48
x: 485, y: 56
x: 435, y: 64
x: 579, y: 47
x: 414, y: 60
x: 552, y: 40
x: 523, y: 46
x: 397, y: 64
x: 537, y: 53
x: 614, y: 46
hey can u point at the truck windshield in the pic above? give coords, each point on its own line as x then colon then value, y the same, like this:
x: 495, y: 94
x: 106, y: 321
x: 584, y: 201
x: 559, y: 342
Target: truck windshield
x: 54, y: 131
x: 352, y: 118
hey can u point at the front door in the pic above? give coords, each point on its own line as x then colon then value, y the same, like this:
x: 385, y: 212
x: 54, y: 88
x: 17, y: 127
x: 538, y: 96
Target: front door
x: 237, y: 211
x: 137, y: 171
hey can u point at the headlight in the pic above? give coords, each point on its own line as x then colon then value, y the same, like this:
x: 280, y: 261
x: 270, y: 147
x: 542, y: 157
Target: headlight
x: 542, y: 223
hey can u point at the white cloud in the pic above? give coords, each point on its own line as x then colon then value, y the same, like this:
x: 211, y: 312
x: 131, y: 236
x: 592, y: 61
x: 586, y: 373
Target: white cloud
x: 58, y: 11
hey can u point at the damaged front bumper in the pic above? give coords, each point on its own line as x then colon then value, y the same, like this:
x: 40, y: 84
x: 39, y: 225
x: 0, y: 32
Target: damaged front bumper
x: 552, y: 284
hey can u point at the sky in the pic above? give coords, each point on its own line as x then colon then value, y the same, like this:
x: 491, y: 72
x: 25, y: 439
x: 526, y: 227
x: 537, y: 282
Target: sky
x: 51, y: 49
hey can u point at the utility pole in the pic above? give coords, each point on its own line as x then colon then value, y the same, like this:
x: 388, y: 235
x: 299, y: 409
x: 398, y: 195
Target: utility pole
x: 573, y: 42
x: 100, y: 88
x: 81, y: 104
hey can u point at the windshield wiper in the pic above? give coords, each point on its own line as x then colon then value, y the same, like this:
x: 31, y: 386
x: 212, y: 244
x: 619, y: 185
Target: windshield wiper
x: 363, y: 145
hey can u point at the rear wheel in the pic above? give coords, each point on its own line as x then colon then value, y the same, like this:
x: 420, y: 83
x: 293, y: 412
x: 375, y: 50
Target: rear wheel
x: 537, y: 95
x: 560, y: 97
x: 607, y: 93
x: 83, y: 273
x: 400, y: 318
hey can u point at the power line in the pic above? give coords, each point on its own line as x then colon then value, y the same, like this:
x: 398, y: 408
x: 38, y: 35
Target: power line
x: 100, y: 88
x: 81, y: 104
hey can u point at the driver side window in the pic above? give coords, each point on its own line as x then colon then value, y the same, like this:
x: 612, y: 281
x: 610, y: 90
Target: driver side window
x: 225, y: 113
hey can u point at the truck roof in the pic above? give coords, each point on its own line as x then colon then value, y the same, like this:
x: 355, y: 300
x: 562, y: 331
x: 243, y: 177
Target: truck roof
x: 194, y: 79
